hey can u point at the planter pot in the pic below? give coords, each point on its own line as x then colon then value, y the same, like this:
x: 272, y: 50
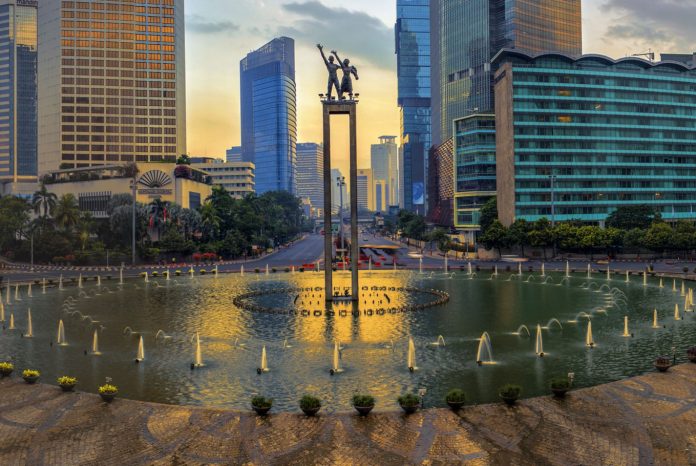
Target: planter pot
x: 455, y: 405
x: 310, y: 411
x: 691, y: 354
x: 662, y: 367
x: 5, y: 373
x: 67, y: 388
x: 409, y: 409
x: 261, y: 411
x: 108, y: 397
x: 31, y: 380
x: 363, y: 410
x: 559, y: 392
x: 509, y: 400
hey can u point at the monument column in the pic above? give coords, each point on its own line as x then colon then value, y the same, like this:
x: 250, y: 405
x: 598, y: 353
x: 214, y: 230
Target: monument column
x: 328, y: 226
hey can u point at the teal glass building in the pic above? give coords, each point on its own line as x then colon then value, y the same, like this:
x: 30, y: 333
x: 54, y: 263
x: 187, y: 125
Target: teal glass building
x: 578, y: 137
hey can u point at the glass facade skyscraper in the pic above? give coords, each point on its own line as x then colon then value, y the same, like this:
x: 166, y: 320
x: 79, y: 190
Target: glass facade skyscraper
x: 310, y: 173
x: 18, y: 90
x: 611, y: 133
x: 269, y: 114
x: 413, y: 72
x: 112, y: 84
x: 384, y: 158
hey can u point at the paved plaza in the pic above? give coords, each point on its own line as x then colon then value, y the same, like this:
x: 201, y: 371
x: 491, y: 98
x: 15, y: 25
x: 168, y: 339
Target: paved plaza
x: 640, y: 421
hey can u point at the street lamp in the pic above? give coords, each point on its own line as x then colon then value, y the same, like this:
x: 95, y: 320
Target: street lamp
x: 553, y: 200
x: 133, y: 185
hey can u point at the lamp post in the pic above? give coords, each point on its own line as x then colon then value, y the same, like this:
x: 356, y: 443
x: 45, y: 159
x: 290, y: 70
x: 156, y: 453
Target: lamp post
x: 553, y: 200
x: 133, y: 192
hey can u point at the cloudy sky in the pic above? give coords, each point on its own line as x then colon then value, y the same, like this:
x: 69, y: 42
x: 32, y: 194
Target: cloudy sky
x: 221, y: 32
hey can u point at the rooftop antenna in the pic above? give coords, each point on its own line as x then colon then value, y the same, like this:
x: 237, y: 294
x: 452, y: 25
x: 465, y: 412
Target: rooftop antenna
x: 650, y: 55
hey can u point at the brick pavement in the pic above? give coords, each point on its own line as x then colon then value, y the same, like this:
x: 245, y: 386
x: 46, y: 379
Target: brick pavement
x: 641, y: 421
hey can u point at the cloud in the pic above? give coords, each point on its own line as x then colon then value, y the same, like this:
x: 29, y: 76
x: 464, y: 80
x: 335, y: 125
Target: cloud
x: 197, y: 24
x: 352, y: 33
x: 665, y: 22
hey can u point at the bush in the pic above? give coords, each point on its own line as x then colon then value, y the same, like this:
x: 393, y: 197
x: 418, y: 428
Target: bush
x: 363, y: 401
x: 257, y: 270
x: 261, y: 402
x: 685, y: 269
x: 310, y: 402
x: 510, y: 391
x: 560, y: 383
x: 409, y: 399
x: 456, y: 396
x: 30, y: 373
x: 108, y: 389
x: 67, y: 380
x: 6, y: 368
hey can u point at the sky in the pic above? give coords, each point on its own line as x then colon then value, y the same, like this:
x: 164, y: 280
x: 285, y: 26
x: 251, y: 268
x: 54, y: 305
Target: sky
x: 219, y: 33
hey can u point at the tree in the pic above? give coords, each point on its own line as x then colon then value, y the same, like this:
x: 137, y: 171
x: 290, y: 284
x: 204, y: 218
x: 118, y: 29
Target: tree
x: 183, y: 159
x: 567, y: 236
x: 518, y: 233
x: 659, y: 237
x: 488, y: 214
x: 496, y: 237
x: 210, y: 220
x: 541, y: 235
x: 14, y: 219
x: 43, y: 201
x: 440, y: 237
x: 628, y: 217
x: 158, y: 215
x: 67, y: 212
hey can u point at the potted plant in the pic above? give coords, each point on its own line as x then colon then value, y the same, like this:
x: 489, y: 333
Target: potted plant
x: 67, y: 383
x: 108, y: 392
x: 30, y: 376
x: 261, y: 405
x: 6, y: 368
x: 363, y: 404
x: 202, y: 271
x: 455, y: 399
x: 662, y: 363
x: 155, y: 273
x: 559, y: 386
x: 310, y: 405
x: 509, y: 393
x: 177, y: 273
x: 409, y: 403
x: 690, y: 353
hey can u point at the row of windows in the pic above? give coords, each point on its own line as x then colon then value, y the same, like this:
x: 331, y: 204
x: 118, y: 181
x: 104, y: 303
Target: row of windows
x: 110, y: 44
x: 561, y: 198
x: 123, y: 5
x: 127, y: 26
x: 98, y: 63
x: 114, y: 120
x: 139, y: 65
x: 127, y: 129
x: 647, y: 79
x: 113, y: 148
x: 115, y: 53
x: 124, y: 139
x: 129, y: 83
x: 126, y: 18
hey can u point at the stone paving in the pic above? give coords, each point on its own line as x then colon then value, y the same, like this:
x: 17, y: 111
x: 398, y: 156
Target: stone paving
x: 640, y: 421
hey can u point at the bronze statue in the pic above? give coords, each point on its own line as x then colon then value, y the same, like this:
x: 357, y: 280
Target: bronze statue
x: 347, y: 82
x: 333, y: 74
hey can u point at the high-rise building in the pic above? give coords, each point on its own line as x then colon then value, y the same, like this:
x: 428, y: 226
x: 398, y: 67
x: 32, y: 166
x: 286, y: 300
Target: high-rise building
x: 234, y: 154
x: 111, y: 84
x: 18, y: 106
x: 338, y: 192
x: 470, y: 32
x: 310, y: 173
x: 366, y: 190
x: 269, y: 114
x: 236, y: 177
x: 441, y: 184
x: 384, y: 157
x: 579, y: 137
x: 413, y: 73
x: 381, y: 189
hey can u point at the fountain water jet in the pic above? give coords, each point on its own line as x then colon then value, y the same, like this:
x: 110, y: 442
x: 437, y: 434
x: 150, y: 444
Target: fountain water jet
x: 198, y: 356
x: 60, y: 283
x: 469, y: 269
x: 645, y: 278
x: 446, y: 263
x: 628, y: 277
x: 626, y: 333
x: 60, y: 339
x: 655, y: 322
x: 676, y: 312
x: 519, y: 269
x: 589, y: 270
x: 43, y: 286
x: 2, y: 311
x: 267, y: 270
x: 147, y: 277
x: 140, y: 357
x: 285, y: 344
x: 439, y: 342
x: 484, y: 354
x: 264, y: 361
x: 241, y: 271
x: 30, y: 326
x: 336, y: 360
x: 589, y: 341
x: 12, y: 324
x: 567, y: 269
x: 539, y: 346
x: 522, y: 328
x: 29, y: 293
x: 608, y: 272
x: 554, y: 321
x: 411, y: 356
x: 674, y: 285
x: 79, y: 281
x: 18, y: 298
x: 683, y: 288
x: 95, y: 343
x: 543, y: 269
x: 99, y: 281
x: 662, y: 285
x: 420, y: 265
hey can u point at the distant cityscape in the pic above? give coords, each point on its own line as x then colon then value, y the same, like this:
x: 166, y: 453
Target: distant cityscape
x: 496, y: 100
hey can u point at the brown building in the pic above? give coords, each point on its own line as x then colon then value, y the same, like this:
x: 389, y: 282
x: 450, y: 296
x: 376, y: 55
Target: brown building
x: 441, y: 183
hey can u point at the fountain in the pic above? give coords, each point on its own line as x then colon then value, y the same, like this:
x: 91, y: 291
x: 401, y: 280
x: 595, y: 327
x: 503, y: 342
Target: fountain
x: 645, y: 278
x: 264, y: 361
x: 539, y: 346
x: 495, y: 270
x: 241, y: 271
x: 60, y: 283
x: 12, y: 324
x: 674, y: 284
x: 554, y: 321
x: 655, y: 322
x: 543, y: 269
x: 628, y: 277
x: 683, y: 288
x: 285, y: 344
x: 567, y: 269
x: 60, y: 338
x: 411, y: 356
x: 43, y: 285
x: 198, y: 357
x: 484, y: 354
x: 469, y: 270
x: 589, y: 342
x: 2, y: 311
x: 446, y: 263
x: 522, y: 328
x: 676, y: 312
x: 146, y: 276
x: 267, y: 270
x: 191, y: 272
x: 120, y: 276
x: 579, y: 316
x: 336, y: 360
x: 30, y: 326
x: 662, y: 285
x: 420, y: 265
x: 29, y: 293
x: 168, y: 274
x: 18, y: 298
x: 140, y: 357
x: 95, y: 343
x: 608, y: 272
x: 215, y: 271
x: 626, y: 333
x: 79, y: 281
x: 519, y: 269
x: 589, y: 270
x: 439, y: 342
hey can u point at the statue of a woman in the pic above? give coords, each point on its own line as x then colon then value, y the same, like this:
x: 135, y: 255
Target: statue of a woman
x: 348, y: 72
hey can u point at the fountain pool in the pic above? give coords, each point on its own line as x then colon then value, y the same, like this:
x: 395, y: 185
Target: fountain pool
x: 299, y: 348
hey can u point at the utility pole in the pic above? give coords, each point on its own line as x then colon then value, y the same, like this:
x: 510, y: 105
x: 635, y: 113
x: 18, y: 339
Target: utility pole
x: 553, y: 200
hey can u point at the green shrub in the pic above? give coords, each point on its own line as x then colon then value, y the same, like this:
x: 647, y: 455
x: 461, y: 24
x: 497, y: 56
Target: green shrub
x: 310, y: 402
x: 108, y: 389
x: 456, y: 396
x: 363, y: 401
x: 67, y: 380
x: 560, y: 383
x: 409, y: 399
x: 510, y: 391
x: 261, y: 402
x: 30, y: 373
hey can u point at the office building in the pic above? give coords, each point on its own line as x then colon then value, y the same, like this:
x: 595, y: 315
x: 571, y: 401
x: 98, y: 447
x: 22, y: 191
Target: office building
x: 441, y: 184
x: 578, y: 137
x: 236, y: 177
x: 18, y: 106
x: 234, y: 154
x: 269, y: 115
x: 384, y: 157
x: 111, y: 84
x: 366, y: 190
x: 467, y: 34
x: 413, y: 73
x: 381, y: 195
x: 338, y: 192
x: 310, y: 173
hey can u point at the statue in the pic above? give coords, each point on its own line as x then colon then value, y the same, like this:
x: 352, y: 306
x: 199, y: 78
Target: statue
x: 332, y: 68
x: 347, y: 82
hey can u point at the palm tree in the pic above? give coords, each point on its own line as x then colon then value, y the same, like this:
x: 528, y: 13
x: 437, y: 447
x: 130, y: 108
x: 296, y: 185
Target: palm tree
x: 210, y: 220
x: 67, y: 211
x: 158, y: 215
x: 45, y: 201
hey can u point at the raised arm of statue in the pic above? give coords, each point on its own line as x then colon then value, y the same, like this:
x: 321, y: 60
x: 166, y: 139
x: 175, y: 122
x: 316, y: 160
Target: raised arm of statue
x: 337, y: 57
x: 321, y: 49
x: 354, y: 70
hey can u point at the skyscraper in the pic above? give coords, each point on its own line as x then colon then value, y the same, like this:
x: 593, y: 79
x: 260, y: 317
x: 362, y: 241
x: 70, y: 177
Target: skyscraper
x: 366, y: 190
x: 18, y: 107
x: 269, y: 115
x: 234, y: 154
x: 310, y: 173
x: 468, y: 33
x: 337, y: 193
x: 384, y: 157
x: 111, y: 82
x: 413, y: 72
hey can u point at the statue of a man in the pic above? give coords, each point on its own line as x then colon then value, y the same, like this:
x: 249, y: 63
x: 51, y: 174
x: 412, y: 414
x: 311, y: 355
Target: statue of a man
x: 332, y: 68
x: 347, y: 82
